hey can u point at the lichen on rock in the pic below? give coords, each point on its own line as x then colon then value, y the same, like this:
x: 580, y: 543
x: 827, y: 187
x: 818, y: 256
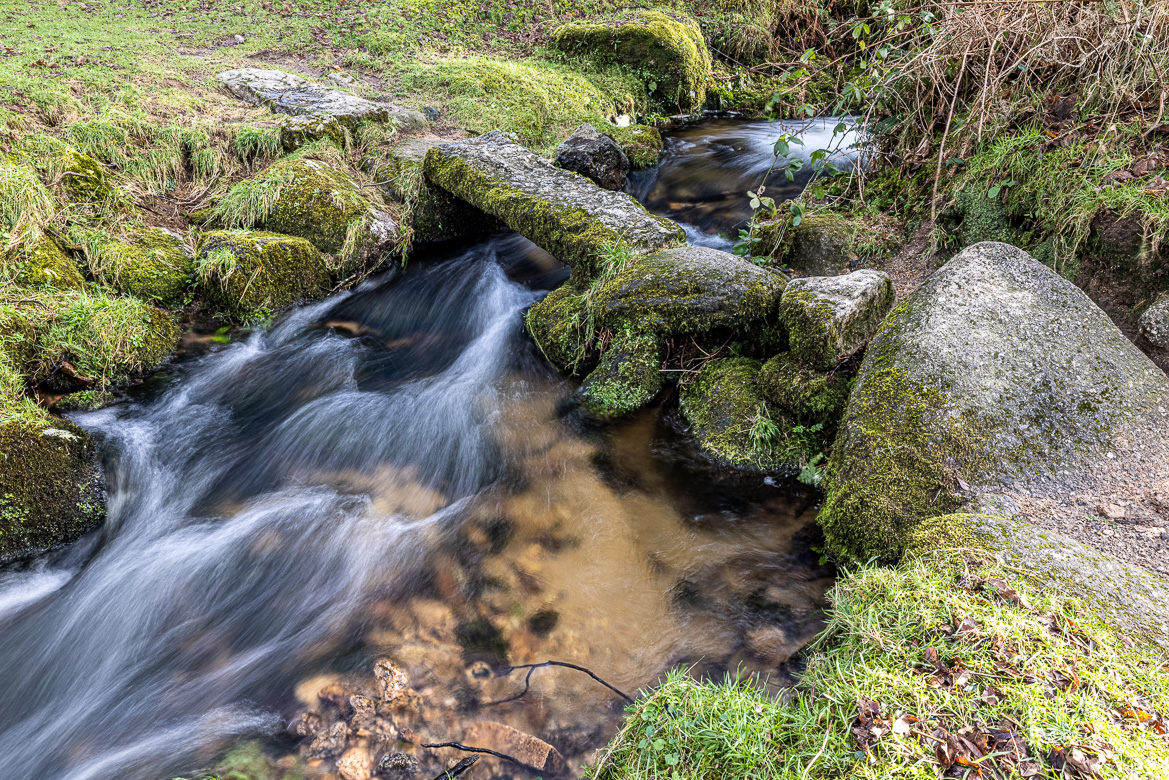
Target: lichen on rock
x: 50, y: 486
x: 246, y: 272
x: 670, y: 51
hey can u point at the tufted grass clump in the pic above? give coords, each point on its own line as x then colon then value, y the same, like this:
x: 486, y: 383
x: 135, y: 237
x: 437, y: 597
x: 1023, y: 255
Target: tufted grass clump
x: 918, y: 666
x: 25, y: 205
x: 256, y: 143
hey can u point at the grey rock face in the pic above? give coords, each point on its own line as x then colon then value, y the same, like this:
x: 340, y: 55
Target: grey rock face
x: 286, y: 93
x: 996, y: 375
x: 1134, y: 599
x: 691, y: 290
x: 562, y: 212
x: 828, y: 318
x: 596, y: 156
x: 1154, y: 323
x: 821, y: 245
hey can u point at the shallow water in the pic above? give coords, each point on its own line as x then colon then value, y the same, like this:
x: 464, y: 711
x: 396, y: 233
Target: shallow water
x: 707, y: 169
x: 392, y: 473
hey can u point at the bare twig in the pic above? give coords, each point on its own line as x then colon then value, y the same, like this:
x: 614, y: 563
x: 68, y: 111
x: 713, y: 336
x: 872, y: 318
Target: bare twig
x: 467, y: 749
x: 533, y: 667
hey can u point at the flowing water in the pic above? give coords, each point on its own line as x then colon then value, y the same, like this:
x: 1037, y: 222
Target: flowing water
x: 391, y: 474
x: 708, y: 168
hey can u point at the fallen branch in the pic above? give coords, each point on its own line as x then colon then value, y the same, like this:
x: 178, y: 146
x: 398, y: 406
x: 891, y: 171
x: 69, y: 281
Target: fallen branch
x: 533, y: 667
x: 466, y: 749
x: 458, y: 768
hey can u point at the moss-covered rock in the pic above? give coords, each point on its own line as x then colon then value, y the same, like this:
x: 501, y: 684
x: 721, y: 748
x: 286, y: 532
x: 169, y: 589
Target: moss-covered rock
x: 821, y: 245
x: 828, y: 318
x: 42, y: 264
x: 297, y: 131
x: 693, y: 290
x: 83, y: 401
x: 83, y: 177
x: 152, y: 263
x: 995, y: 375
x: 732, y: 423
x: 561, y: 212
x: 805, y: 393
x: 670, y: 52
x: 435, y: 214
x: 627, y: 377
x: 642, y: 144
x: 50, y: 487
x: 559, y: 325
x: 247, y: 272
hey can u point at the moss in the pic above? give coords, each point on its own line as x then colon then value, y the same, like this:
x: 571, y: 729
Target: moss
x: 829, y: 319
x: 944, y: 532
x: 805, y: 393
x: 43, y: 264
x: 808, y: 321
x: 84, y: 401
x: 153, y: 264
x: 669, y: 54
x: 821, y: 245
x: 83, y: 177
x: 247, y: 761
x: 18, y: 337
x: 318, y: 203
x: 628, y: 376
x: 297, y: 131
x: 723, y: 405
x: 642, y: 144
x: 894, y: 464
x: 559, y: 326
x: 983, y: 218
x: 249, y: 272
x: 50, y: 486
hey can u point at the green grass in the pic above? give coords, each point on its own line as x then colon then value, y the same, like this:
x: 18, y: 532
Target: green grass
x: 912, y: 655
x: 26, y: 206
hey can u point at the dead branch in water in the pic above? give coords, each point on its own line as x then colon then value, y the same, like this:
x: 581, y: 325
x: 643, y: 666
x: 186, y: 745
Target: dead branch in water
x: 458, y: 768
x: 467, y: 749
x: 533, y: 667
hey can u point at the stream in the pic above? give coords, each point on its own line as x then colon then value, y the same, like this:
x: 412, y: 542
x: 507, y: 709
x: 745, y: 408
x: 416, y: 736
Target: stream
x: 395, y: 473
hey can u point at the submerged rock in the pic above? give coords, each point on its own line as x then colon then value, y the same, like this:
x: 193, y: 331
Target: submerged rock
x: 671, y: 54
x: 1154, y: 322
x: 828, y: 318
x: 596, y: 156
x: 247, y: 271
x: 995, y: 376
x: 731, y: 421
x: 561, y: 212
x: 527, y: 749
x: 692, y: 289
x: 51, y: 490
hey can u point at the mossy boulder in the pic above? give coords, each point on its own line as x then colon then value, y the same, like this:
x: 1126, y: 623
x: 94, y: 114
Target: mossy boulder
x: 435, y: 214
x: 995, y: 376
x: 805, y: 393
x: 669, y: 51
x: 693, y: 289
x: 642, y: 144
x: 561, y: 212
x: 732, y: 423
x: 152, y: 263
x: 297, y: 131
x: 627, y: 377
x: 821, y: 245
x: 247, y: 272
x: 42, y: 264
x: 828, y: 318
x: 83, y: 177
x: 559, y: 326
x: 50, y: 486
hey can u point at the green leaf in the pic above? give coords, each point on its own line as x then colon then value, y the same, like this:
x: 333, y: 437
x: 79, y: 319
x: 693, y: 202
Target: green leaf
x: 993, y: 192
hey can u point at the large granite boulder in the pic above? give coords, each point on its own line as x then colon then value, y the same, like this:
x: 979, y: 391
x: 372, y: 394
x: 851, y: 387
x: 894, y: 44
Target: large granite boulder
x: 561, y: 212
x: 1154, y: 321
x: 669, y: 52
x: 692, y: 289
x: 286, y: 93
x: 51, y: 489
x: 594, y: 155
x: 828, y: 318
x: 996, y: 382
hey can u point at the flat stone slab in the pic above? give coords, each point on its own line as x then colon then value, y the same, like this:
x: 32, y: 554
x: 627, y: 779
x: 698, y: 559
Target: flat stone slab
x: 287, y: 93
x: 1136, y: 600
x: 828, y: 318
x: 561, y: 212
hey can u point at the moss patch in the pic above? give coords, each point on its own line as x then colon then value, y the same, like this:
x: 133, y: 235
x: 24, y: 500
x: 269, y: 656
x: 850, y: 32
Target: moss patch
x: 43, y: 264
x: 152, y: 264
x: 560, y: 326
x: 628, y: 376
x: 50, y: 486
x: 670, y: 54
x: 248, y: 272
x: 805, y: 393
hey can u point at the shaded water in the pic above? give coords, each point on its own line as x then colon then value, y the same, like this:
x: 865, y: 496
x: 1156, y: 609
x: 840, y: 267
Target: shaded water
x: 393, y: 473
x: 708, y: 168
